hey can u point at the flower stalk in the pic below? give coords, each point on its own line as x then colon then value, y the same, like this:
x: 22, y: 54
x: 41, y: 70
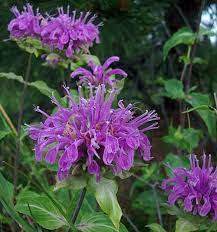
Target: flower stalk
x: 19, y: 123
x: 78, y: 206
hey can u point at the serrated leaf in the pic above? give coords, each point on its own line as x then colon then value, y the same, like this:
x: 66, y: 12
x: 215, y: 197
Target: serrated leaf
x: 156, y: 227
x: 182, y: 36
x: 97, y: 222
x: 174, y: 89
x: 209, y: 118
x: 12, y: 76
x: 184, y: 225
x: 41, y: 209
x: 105, y: 192
x: 186, y: 139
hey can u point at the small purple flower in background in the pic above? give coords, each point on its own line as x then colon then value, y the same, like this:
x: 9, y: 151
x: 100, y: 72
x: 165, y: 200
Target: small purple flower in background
x: 26, y: 23
x: 196, y: 187
x: 70, y: 34
x: 51, y: 60
x: 92, y: 133
x: 100, y: 74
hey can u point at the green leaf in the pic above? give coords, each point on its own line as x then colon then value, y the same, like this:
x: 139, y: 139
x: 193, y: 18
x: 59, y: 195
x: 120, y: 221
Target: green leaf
x: 175, y: 161
x: 6, y: 189
x: 4, y: 134
x: 13, y: 214
x: 209, y: 118
x: 87, y: 58
x: 41, y: 209
x: 182, y: 36
x: 42, y: 87
x: 156, y: 227
x: 201, y: 107
x: 186, y: 139
x: 105, y: 192
x: 75, y: 95
x: 199, y: 60
x: 4, y: 219
x: 184, y: 225
x: 206, y: 31
x: 97, y: 222
x: 145, y: 202
x: 185, y: 59
x: 73, y: 182
x: 39, y: 85
x: 36, y: 43
x: 174, y: 89
x: 31, y: 45
x: 6, y: 199
x: 201, y: 223
x: 12, y: 76
x: 120, y: 85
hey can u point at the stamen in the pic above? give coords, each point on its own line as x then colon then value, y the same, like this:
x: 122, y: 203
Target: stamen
x: 209, y: 161
x: 37, y: 109
x: 204, y: 161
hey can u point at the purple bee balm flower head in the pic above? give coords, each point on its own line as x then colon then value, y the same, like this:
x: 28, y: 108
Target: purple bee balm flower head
x: 100, y: 74
x: 69, y: 33
x: 92, y: 133
x: 195, y: 187
x: 26, y: 23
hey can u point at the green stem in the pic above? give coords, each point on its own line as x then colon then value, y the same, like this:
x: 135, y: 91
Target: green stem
x: 78, y: 206
x: 157, y: 204
x: 19, y: 123
x: 8, y: 120
x: 134, y: 227
x: 186, y: 64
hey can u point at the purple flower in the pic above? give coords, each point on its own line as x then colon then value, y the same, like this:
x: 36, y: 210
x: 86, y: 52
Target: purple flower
x: 70, y: 34
x: 26, y: 23
x: 196, y: 187
x: 92, y: 133
x: 100, y: 74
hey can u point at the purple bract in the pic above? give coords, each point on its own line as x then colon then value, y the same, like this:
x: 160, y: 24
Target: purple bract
x: 25, y: 24
x: 92, y: 133
x: 68, y: 33
x: 100, y: 74
x: 196, y: 187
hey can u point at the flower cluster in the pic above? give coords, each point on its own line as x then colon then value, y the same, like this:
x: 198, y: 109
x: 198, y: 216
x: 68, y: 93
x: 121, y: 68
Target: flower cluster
x: 100, y: 74
x: 92, y: 133
x: 195, y: 187
x: 25, y: 23
x: 69, y: 33
x: 64, y: 32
